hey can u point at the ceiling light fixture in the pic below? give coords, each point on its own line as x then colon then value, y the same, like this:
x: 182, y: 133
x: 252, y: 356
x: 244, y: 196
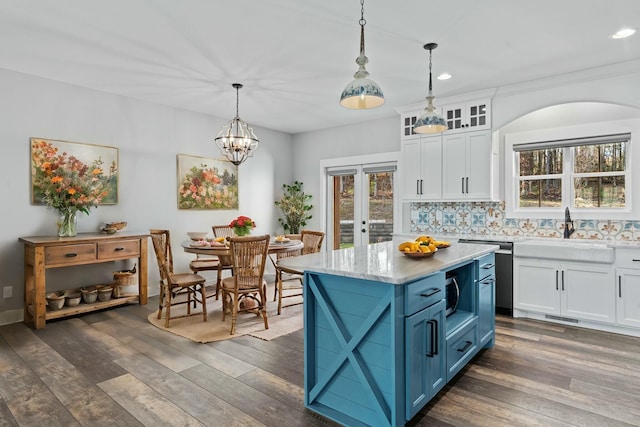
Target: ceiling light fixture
x: 430, y: 121
x: 236, y: 139
x: 362, y: 93
x: 623, y: 33
x: 444, y: 76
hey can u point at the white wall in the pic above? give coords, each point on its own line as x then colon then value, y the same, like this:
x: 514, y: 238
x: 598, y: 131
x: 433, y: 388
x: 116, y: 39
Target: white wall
x: 148, y: 137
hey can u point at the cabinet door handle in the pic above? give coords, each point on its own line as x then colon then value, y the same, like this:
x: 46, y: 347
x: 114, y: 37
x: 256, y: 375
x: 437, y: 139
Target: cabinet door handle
x: 71, y: 255
x: 488, y: 280
x: 563, y: 280
x: 417, y: 186
x: 431, y: 292
x: 620, y: 286
x: 467, y: 185
x: 487, y: 266
x: 431, y: 353
x: 556, y: 280
x: 635, y: 260
x: 463, y: 185
x: 421, y: 189
x: 466, y: 347
x: 434, y: 338
x: 118, y: 249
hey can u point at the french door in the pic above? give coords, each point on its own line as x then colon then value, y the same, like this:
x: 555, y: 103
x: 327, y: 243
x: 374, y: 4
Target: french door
x: 360, y: 208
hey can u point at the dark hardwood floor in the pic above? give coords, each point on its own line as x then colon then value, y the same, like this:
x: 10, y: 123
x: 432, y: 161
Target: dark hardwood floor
x: 114, y: 368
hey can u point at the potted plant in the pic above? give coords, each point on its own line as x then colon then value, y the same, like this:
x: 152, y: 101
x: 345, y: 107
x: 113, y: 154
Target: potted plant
x: 295, y: 207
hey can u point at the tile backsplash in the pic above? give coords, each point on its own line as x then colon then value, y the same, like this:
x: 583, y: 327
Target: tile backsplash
x: 488, y: 219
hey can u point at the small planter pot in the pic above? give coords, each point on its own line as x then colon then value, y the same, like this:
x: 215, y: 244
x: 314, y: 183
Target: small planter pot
x: 89, y: 294
x: 105, y: 292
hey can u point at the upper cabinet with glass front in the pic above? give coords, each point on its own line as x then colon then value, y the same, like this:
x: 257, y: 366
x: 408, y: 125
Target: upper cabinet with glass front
x: 468, y: 116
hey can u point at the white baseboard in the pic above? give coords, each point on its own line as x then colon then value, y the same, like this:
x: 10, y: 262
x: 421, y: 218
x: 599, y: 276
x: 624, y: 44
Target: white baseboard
x: 11, y: 316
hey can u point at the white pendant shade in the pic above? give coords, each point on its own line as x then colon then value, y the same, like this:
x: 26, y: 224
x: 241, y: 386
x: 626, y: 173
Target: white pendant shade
x: 362, y: 93
x: 430, y: 121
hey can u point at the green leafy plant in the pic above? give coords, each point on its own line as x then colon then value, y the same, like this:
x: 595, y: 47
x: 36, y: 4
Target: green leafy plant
x: 295, y: 207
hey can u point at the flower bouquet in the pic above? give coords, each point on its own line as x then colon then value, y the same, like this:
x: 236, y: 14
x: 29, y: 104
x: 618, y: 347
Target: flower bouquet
x: 242, y: 225
x: 66, y: 184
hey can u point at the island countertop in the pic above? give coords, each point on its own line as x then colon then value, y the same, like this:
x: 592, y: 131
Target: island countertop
x: 383, y: 262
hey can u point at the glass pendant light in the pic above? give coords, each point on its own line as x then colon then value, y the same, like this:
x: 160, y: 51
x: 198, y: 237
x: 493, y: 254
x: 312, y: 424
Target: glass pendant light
x: 362, y: 93
x: 236, y: 139
x: 430, y: 121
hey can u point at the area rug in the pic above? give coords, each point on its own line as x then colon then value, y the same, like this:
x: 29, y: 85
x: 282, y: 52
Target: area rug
x: 214, y: 329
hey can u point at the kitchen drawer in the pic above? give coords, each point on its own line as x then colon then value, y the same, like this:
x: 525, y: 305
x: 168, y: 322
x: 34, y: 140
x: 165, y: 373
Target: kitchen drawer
x: 461, y: 347
x: 486, y: 266
x: 121, y: 249
x: 423, y: 293
x: 627, y: 258
x: 70, y: 254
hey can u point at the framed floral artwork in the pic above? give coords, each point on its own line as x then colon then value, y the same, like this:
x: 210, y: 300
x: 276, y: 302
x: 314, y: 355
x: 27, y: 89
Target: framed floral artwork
x: 73, y: 175
x: 206, y: 183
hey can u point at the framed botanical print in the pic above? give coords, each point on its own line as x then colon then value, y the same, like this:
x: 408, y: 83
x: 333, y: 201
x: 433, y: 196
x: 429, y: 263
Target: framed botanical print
x: 73, y: 173
x: 206, y: 183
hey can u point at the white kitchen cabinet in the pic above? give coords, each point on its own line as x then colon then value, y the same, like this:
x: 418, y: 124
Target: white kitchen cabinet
x: 468, y: 116
x: 467, y: 166
x: 628, y: 287
x: 572, y: 290
x: 422, y: 168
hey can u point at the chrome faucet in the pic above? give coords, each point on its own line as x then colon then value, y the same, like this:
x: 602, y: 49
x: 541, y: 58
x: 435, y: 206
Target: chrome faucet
x: 568, y: 224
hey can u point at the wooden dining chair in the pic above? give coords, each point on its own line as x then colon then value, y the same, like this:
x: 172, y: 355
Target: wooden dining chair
x: 289, y: 280
x: 224, y: 262
x: 174, y: 284
x: 249, y: 255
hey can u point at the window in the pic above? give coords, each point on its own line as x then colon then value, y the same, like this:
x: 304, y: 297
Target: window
x: 582, y: 173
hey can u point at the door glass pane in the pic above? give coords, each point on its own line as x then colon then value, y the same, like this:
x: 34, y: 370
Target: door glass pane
x: 380, y: 198
x: 343, y: 214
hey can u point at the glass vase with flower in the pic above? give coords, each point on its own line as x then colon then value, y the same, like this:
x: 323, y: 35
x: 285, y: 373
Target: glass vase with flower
x: 242, y: 225
x: 66, y: 184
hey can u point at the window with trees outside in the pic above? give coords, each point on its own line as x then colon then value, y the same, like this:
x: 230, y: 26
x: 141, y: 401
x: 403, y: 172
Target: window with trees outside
x: 583, y: 173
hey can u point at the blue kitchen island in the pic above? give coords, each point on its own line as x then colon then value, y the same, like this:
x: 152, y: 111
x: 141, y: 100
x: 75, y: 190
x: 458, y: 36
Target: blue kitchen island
x: 378, y: 341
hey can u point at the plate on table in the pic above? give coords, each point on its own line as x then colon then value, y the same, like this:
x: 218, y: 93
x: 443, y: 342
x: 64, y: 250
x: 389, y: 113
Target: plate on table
x: 419, y: 254
x: 284, y: 240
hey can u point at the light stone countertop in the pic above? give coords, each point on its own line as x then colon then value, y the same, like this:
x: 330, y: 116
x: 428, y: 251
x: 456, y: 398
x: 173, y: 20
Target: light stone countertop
x: 383, y: 262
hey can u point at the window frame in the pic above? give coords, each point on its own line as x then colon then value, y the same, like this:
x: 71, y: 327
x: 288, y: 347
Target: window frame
x: 541, y: 139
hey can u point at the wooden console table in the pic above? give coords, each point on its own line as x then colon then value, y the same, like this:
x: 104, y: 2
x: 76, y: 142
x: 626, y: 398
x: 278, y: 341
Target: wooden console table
x: 44, y: 252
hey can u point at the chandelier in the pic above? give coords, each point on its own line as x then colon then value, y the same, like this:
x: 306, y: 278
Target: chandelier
x: 362, y: 93
x: 236, y: 139
x: 430, y: 121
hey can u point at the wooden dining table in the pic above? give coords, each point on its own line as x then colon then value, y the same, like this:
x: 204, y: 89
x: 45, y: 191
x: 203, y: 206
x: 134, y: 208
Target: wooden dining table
x: 223, y: 251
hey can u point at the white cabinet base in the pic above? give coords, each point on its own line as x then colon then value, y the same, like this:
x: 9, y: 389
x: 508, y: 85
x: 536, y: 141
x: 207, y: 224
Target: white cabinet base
x: 616, y: 329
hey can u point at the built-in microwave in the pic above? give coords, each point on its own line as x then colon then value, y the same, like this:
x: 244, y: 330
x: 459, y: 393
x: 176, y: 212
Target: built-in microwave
x: 453, y: 294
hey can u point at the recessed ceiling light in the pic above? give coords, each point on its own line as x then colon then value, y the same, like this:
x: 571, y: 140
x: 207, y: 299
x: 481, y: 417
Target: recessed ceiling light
x: 444, y: 76
x: 623, y: 33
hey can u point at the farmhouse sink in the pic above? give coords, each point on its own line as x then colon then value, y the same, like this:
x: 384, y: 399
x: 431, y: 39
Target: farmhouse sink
x: 565, y: 250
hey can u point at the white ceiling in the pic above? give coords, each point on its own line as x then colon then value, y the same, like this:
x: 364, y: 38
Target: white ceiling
x: 295, y: 56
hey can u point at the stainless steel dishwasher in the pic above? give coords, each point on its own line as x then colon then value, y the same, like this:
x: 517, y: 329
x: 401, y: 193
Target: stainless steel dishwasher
x: 504, y: 273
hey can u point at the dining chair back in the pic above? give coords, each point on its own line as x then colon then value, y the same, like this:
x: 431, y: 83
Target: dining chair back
x: 312, y: 241
x: 222, y: 231
x: 246, y: 289
x: 174, y: 284
x: 224, y: 262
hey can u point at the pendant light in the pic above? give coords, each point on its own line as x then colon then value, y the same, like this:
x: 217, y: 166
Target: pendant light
x: 430, y: 121
x: 236, y: 139
x: 362, y: 93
